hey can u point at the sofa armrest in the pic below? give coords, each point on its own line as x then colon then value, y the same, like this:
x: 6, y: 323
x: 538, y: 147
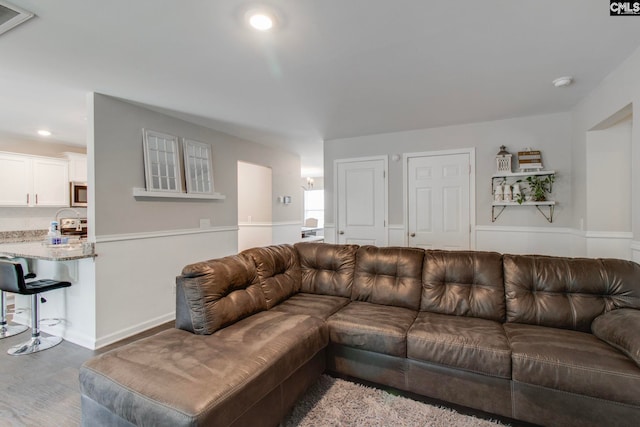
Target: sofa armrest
x: 619, y: 328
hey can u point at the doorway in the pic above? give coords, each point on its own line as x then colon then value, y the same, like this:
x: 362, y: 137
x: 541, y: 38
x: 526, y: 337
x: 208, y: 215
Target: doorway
x: 361, y: 201
x: 440, y: 201
x: 255, y: 200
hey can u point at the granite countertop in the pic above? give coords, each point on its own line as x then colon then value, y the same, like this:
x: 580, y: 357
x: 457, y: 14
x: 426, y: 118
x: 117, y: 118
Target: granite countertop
x: 39, y: 250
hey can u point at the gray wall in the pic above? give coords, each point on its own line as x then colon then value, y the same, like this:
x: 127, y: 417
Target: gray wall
x: 119, y: 167
x: 618, y: 92
x: 549, y: 133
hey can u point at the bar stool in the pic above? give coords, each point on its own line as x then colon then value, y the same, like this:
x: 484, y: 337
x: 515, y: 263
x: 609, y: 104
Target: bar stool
x: 7, y: 329
x: 10, y: 329
x: 12, y: 280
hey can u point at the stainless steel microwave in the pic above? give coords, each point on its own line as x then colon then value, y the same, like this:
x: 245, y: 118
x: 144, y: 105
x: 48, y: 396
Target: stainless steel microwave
x: 78, y: 194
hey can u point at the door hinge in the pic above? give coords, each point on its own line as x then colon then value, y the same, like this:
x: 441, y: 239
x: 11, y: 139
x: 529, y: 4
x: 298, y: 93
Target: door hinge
x: 469, y: 169
x: 384, y: 174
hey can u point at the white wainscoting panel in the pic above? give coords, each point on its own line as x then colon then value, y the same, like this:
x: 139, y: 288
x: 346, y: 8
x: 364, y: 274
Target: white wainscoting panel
x: 135, y: 278
x: 525, y: 240
x: 252, y: 235
x: 286, y: 232
x: 609, y: 244
x: 557, y: 241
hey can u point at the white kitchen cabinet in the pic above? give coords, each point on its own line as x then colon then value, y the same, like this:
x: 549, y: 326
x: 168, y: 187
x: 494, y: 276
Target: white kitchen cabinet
x: 77, y: 167
x: 15, y: 178
x: 33, y: 181
x: 50, y: 182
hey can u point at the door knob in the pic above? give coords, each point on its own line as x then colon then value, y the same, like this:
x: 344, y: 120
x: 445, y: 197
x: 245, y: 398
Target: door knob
x: 341, y: 232
x: 412, y: 234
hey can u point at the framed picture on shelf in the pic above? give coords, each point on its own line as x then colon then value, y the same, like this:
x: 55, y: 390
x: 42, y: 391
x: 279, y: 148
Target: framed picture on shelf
x: 198, y: 167
x: 161, y: 162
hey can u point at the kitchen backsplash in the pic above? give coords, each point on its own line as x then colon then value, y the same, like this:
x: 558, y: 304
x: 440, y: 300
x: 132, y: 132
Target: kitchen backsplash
x: 25, y: 219
x: 22, y: 236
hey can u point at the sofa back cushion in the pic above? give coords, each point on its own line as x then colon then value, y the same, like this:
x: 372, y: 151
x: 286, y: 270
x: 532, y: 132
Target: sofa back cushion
x: 567, y: 293
x: 327, y: 269
x: 388, y: 276
x: 463, y: 283
x: 278, y: 270
x: 216, y: 293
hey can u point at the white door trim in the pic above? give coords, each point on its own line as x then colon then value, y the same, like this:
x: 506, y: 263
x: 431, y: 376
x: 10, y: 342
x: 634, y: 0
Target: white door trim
x: 472, y: 188
x: 385, y: 159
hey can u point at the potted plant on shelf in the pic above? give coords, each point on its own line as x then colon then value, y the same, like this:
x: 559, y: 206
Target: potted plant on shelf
x: 539, y: 187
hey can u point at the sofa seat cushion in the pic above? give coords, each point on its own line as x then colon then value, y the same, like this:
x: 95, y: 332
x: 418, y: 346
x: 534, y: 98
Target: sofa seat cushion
x: 373, y: 327
x: 472, y: 344
x: 572, y: 361
x: 176, y: 378
x: 321, y: 306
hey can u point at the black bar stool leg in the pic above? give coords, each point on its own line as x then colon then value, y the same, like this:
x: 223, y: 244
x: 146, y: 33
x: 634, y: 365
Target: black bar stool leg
x: 6, y: 329
x: 36, y: 343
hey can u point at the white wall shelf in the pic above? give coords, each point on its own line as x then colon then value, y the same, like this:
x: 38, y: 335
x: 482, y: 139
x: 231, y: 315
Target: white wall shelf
x: 544, y: 207
x: 142, y: 193
x: 520, y: 174
x: 545, y: 203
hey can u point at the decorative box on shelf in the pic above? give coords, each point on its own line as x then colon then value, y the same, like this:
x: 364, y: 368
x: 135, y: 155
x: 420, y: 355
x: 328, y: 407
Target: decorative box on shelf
x: 530, y: 160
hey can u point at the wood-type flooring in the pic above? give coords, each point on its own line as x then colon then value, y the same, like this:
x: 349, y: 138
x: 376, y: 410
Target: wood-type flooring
x: 41, y: 389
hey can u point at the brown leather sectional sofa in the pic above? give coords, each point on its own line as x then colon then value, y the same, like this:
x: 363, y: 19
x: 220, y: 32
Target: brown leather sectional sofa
x: 547, y: 340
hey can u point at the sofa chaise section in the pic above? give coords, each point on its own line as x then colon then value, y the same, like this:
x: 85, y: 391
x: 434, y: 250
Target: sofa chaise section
x: 177, y: 378
x: 235, y: 362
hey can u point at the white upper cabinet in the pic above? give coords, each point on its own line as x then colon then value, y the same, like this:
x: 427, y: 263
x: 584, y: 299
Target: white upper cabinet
x: 15, y: 180
x: 77, y: 167
x: 50, y: 182
x: 33, y: 181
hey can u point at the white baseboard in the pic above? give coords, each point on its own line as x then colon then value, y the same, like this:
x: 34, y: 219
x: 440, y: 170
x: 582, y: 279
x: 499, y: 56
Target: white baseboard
x: 132, y: 330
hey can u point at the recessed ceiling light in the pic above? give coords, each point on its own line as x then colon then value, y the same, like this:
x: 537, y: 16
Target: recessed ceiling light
x: 260, y: 21
x: 563, y: 81
x: 44, y: 132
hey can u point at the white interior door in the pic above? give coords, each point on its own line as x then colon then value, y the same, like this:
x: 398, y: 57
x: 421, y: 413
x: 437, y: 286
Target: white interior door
x: 361, y: 202
x: 438, y: 201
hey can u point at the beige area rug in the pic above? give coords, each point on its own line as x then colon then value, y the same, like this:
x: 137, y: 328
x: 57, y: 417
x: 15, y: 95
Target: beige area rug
x: 335, y: 402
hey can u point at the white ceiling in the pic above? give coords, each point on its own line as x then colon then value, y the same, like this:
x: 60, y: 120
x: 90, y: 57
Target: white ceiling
x: 332, y: 69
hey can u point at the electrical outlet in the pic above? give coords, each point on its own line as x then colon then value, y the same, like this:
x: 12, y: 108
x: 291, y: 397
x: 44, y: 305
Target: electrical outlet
x: 205, y: 223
